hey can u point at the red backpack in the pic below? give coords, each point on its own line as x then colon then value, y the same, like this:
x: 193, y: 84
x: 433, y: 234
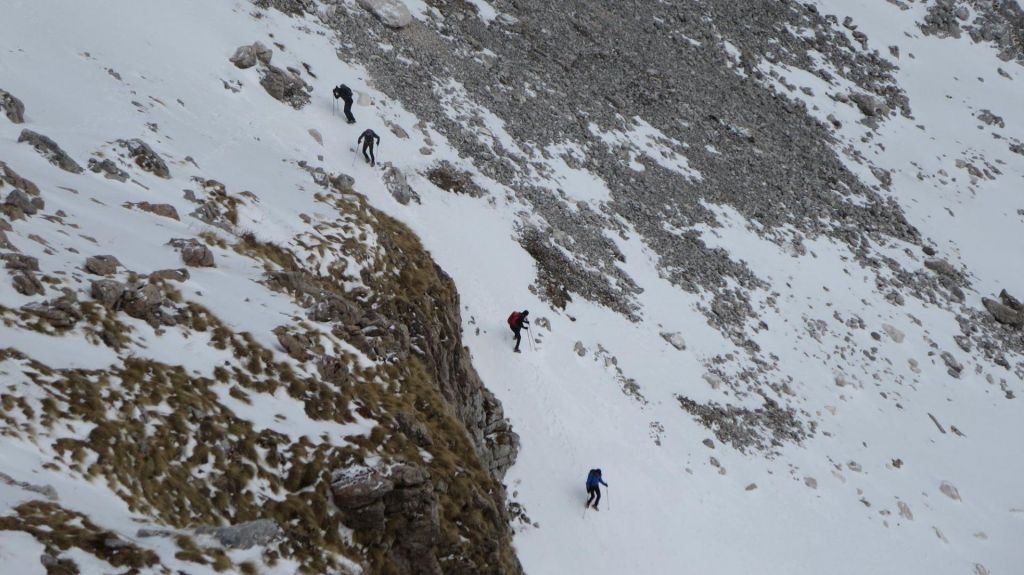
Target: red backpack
x: 513, y: 320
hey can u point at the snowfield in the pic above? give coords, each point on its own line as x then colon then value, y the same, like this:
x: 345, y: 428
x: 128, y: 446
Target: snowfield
x: 884, y: 423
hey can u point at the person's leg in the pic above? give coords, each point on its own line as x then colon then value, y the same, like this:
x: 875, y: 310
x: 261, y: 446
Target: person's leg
x: 597, y: 490
x: 366, y: 145
x: 348, y: 112
x: 590, y: 490
x: 373, y: 159
x: 519, y: 338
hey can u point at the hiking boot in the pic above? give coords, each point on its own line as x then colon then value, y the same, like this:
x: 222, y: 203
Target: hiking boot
x: 516, y: 350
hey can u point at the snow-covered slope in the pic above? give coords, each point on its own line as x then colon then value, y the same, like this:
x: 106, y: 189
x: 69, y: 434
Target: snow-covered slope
x: 858, y: 422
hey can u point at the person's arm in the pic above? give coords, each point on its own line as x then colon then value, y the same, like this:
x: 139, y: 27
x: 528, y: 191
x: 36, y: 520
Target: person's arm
x: 378, y: 139
x: 603, y: 483
x: 360, y: 140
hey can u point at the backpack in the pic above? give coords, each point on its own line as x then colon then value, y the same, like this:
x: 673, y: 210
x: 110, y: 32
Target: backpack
x: 343, y: 91
x: 513, y: 320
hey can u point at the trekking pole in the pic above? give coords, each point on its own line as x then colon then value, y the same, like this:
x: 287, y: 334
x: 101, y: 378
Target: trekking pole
x: 609, y: 497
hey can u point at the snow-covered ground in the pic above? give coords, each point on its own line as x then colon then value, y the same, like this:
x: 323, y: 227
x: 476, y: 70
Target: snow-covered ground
x: 860, y: 495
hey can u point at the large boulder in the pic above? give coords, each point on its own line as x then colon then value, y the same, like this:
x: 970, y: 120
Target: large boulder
x: 145, y: 157
x: 26, y: 283
x: 165, y: 210
x: 108, y: 293
x: 869, y: 105
x: 178, y: 275
x: 146, y: 302
x: 1002, y: 313
x: 101, y: 265
x: 193, y: 253
x: 391, y: 13
x: 285, y: 86
x: 399, y: 187
x: 248, y: 56
x: 20, y: 262
x: 23, y: 202
x: 400, y: 503
x: 108, y: 168
x: 244, y: 535
x: 12, y: 107
x: 61, y: 313
x: 50, y: 150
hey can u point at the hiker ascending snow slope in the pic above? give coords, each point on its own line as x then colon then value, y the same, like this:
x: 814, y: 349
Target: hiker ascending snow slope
x: 345, y: 93
x: 516, y: 322
x: 594, y: 483
x: 367, y: 138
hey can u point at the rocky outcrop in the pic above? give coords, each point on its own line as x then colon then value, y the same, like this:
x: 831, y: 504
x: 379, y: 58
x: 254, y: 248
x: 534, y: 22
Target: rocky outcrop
x: 193, y: 253
x: 391, y: 13
x: 20, y: 200
x: 285, y: 86
x: 399, y: 187
x: 248, y: 56
x: 145, y: 157
x: 26, y: 283
x: 1008, y: 311
x: 12, y: 107
x: 20, y: 262
x: 140, y: 301
x: 178, y: 275
x: 107, y: 292
x: 108, y: 168
x: 101, y: 265
x: 11, y: 177
x: 61, y: 313
x: 395, y: 512
x: 869, y: 105
x: 244, y: 535
x: 164, y: 210
x: 50, y: 150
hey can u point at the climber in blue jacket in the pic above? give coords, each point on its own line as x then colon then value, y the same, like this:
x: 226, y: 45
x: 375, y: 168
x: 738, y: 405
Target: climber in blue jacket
x: 594, y: 483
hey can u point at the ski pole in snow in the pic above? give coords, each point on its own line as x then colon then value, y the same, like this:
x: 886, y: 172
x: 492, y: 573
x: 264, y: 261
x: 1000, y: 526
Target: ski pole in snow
x: 609, y: 497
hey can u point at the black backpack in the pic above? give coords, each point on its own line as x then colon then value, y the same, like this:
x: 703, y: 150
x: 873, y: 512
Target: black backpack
x: 343, y: 91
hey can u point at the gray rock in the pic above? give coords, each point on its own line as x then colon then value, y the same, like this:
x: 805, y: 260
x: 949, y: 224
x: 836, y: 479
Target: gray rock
x: 14, y: 261
x: 399, y: 187
x: 108, y: 293
x: 353, y: 490
x: 244, y: 535
x: 22, y: 201
x: 26, y: 283
x: 1004, y: 314
x: 101, y: 265
x: 414, y: 429
x: 942, y: 267
x: 12, y: 107
x: 178, y: 275
x: 50, y: 150
x: 164, y: 210
x: 193, y: 253
x: 286, y: 87
x: 61, y: 313
x: 675, y: 339
x: 951, y: 362
x: 145, y: 157
x: 871, y: 106
x: 108, y: 168
x: 391, y: 13
x: 248, y: 56
x: 1010, y: 301
x: 46, y: 491
x: 949, y: 490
